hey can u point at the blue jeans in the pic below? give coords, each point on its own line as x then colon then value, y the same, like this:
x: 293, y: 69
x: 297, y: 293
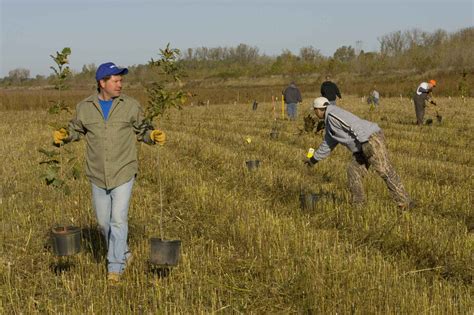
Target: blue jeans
x: 332, y: 102
x: 291, y: 110
x: 111, y: 209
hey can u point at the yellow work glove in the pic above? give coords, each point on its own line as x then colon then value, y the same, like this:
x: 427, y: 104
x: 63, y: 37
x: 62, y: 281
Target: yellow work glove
x: 158, y: 136
x: 59, y: 136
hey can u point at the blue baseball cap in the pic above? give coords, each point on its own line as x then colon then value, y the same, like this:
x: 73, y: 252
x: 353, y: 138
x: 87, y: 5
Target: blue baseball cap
x: 108, y: 69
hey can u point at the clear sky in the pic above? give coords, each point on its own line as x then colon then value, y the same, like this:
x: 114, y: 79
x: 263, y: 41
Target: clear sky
x: 131, y: 32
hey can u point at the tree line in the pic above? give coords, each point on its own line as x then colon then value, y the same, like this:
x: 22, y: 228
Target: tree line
x: 412, y: 52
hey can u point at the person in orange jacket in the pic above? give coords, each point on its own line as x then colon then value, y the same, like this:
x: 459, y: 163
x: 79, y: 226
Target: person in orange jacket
x: 421, y: 96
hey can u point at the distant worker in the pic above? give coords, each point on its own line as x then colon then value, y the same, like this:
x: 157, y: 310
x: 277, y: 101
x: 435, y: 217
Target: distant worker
x: 292, y: 96
x: 330, y: 90
x: 111, y: 123
x: 254, y: 105
x: 423, y: 94
x: 366, y: 142
x: 375, y: 97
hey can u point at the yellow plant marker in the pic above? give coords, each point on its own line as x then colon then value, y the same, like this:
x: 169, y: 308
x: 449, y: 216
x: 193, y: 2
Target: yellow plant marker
x: 248, y: 140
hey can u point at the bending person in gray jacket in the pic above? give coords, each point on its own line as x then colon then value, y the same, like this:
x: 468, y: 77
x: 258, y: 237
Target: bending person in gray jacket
x: 366, y: 142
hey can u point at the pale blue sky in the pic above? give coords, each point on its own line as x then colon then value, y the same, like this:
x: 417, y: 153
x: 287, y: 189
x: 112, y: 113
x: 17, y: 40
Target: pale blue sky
x: 131, y: 32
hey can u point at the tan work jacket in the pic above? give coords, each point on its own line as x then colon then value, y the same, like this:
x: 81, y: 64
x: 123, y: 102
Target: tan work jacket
x: 111, y: 158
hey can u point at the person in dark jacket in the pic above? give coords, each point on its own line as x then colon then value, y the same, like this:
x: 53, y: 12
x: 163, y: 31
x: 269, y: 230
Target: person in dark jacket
x: 330, y: 90
x: 292, y: 96
x: 366, y: 141
x: 421, y: 96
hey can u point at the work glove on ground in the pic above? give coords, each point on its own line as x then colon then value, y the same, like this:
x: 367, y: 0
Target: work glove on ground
x: 59, y: 136
x: 158, y: 136
x: 310, y: 162
x: 367, y: 149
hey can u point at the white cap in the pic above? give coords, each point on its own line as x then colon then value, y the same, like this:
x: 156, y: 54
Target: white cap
x: 320, y: 102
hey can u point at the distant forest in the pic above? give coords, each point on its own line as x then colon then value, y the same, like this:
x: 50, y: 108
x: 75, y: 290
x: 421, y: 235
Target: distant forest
x: 404, y: 58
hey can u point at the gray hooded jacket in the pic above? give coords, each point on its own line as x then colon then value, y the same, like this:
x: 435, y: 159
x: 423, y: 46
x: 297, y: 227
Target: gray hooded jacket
x: 345, y: 128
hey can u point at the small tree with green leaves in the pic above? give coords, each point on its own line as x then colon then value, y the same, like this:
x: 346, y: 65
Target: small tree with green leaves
x: 62, y: 72
x: 59, y: 171
x: 463, y: 86
x: 163, y: 94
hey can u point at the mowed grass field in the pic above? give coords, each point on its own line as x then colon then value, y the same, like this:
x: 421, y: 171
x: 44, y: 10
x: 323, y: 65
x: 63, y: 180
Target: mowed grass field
x: 247, y: 247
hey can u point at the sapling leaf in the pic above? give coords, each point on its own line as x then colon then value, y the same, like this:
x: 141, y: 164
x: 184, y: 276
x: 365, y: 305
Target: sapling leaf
x: 53, y: 109
x: 75, y: 172
x: 66, y: 190
x: 49, y: 176
x: 57, y: 182
x: 48, y: 153
x: 48, y: 181
x: 49, y: 162
x: 68, y: 151
x: 43, y: 176
x: 54, y: 69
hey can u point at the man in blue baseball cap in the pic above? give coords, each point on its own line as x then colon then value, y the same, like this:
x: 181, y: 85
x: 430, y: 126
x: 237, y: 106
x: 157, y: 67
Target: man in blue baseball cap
x: 106, y: 71
x: 111, y: 123
x: 109, y: 69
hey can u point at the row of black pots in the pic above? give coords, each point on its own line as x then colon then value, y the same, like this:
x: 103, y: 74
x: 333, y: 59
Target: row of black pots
x: 66, y: 241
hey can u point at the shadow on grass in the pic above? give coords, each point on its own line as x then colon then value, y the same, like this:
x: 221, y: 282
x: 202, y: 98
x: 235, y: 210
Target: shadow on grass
x: 469, y: 221
x: 64, y: 264
x: 159, y: 271
x: 93, y: 243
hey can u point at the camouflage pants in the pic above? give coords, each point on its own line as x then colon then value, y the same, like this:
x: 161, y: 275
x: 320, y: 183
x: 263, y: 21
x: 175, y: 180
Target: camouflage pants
x: 379, y: 160
x: 419, y: 101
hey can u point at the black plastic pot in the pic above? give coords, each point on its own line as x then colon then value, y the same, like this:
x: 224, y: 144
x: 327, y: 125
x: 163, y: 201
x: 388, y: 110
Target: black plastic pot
x: 164, y: 252
x: 66, y: 240
x: 252, y: 164
x: 308, y: 201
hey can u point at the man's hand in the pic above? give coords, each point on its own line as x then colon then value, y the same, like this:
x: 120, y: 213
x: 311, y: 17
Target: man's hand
x: 310, y: 162
x: 59, y: 136
x: 158, y: 136
x: 367, y: 150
